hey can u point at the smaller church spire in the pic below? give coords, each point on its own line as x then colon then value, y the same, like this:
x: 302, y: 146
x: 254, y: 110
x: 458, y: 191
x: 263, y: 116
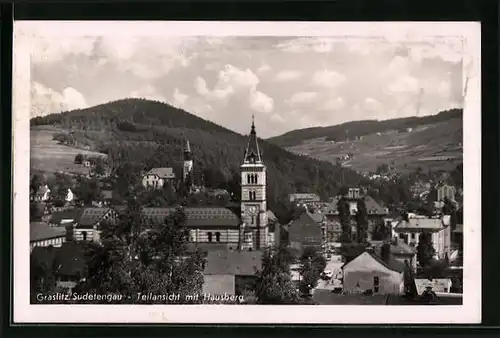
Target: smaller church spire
x: 187, y: 147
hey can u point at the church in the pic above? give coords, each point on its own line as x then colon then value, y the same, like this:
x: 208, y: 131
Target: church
x: 245, y: 227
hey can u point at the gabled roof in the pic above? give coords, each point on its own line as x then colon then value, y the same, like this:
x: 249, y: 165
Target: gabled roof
x: 197, y: 216
x: 91, y: 216
x: 236, y: 263
x: 162, y: 172
x: 68, y: 214
x: 271, y: 216
x: 392, y: 263
x: 42, y: 190
x: 40, y: 231
x: 418, y: 224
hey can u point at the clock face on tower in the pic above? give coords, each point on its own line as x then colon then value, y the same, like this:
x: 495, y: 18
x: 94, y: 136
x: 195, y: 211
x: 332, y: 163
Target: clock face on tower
x: 252, y: 210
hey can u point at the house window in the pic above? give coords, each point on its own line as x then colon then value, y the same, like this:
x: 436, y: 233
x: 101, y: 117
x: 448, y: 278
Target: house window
x: 253, y: 220
x: 376, y: 284
x: 84, y: 234
x: 209, y: 236
x: 413, y: 236
x: 217, y: 236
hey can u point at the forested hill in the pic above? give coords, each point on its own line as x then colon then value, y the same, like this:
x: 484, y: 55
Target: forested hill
x: 146, y: 134
x: 360, y: 128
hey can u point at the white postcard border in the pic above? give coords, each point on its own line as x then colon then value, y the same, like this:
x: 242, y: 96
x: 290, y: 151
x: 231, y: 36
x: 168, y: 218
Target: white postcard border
x: 469, y: 312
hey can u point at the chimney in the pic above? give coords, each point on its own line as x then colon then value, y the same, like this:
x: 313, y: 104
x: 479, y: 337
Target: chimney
x: 385, y: 252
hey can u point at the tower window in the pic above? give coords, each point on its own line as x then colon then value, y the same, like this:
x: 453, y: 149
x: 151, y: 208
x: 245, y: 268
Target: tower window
x: 253, y: 220
x: 255, y: 179
x: 248, y: 178
x: 217, y: 236
x: 209, y: 236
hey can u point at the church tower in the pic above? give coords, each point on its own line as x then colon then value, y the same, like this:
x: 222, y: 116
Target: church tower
x: 253, y: 196
x: 188, y: 161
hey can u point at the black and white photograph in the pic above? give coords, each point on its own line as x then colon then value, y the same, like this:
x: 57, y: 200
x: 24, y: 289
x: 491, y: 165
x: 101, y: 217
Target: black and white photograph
x: 247, y: 172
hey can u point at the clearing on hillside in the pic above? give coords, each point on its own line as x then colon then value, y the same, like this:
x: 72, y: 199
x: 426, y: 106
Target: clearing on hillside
x: 47, y: 155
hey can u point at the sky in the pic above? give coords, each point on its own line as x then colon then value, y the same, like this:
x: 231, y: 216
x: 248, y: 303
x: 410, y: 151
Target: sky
x: 287, y: 82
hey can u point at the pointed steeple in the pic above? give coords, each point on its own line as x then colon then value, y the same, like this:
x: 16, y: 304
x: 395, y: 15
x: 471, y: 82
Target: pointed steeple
x: 187, y: 151
x: 252, y: 153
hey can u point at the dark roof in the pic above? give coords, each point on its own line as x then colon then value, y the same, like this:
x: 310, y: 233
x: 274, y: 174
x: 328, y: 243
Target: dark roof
x: 300, y: 196
x: 162, y: 172
x: 431, y: 224
x: 73, y: 213
x: 391, y: 264
x: 372, y: 206
x: 208, y: 247
x: 401, y: 248
x: 237, y: 263
x: 70, y: 259
x: 197, y: 216
x: 42, y: 190
x: 91, y: 216
x: 41, y: 230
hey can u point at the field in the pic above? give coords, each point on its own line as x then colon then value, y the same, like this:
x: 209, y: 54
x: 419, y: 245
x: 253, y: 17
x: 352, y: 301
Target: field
x: 47, y: 155
x: 435, y: 146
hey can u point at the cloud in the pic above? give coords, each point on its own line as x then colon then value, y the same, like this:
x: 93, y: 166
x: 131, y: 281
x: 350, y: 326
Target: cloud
x: 404, y: 84
x: 179, y: 98
x: 261, y: 102
x: 372, y: 105
x: 334, y: 104
x: 46, y: 101
x: 303, y: 97
x: 277, y: 119
x: 53, y: 50
x: 328, y: 78
x: 263, y: 69
x: 288, y: 75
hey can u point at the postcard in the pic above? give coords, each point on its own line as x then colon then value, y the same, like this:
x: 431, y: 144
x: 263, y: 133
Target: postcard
x: 247, y: 172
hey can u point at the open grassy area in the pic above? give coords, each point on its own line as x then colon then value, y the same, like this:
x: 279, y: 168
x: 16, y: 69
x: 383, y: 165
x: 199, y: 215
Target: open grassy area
x: 435, y: 146
x: 47, y: 155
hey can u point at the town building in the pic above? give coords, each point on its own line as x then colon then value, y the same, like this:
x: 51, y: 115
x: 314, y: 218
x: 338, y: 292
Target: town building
x: 187, y: 168
x: 376, y: 214
x: 401, y: 252
x: 156, y: 178
x: 231, y: 272
x: 304, y: 199
x: 87, y: 227
x: 216, y: 226
x: 42, y: 194
x: 409, y: 230
x: 106, y: 197
x: 306, y: 231
x: 43, y: 235
x: 374, y: 274
x: 64, y: 217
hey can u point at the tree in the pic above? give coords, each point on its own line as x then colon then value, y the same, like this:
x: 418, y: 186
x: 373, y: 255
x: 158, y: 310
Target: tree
x: 361, y: 221
x: 381, y: 231
x: 274, y: 282
x: 425, y: 249
x: 137, y: 257
x: 37, y: 180
x: 36, y: 211
x: 344, y: 215
x: 88, y: 190
x: 312, y: 264
x: 450, y: 209
x: 99, y: 168
x: 79, y: 159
